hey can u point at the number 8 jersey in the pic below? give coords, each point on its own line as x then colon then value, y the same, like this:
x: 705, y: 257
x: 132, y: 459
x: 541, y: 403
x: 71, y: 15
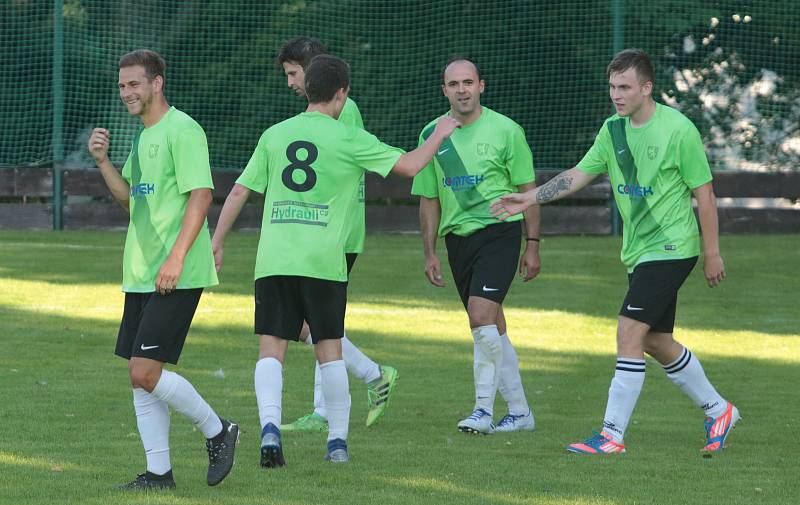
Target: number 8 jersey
x: 309, y: 168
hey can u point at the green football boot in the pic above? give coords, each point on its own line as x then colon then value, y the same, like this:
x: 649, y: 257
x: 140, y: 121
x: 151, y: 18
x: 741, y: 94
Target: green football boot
x: 309, y: 422
x: 378, y: 393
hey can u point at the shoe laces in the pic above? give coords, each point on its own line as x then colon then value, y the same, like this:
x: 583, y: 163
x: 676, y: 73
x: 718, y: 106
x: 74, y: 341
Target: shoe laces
x: 214, y: 450
x: 596, y: 440
x: 477, y: 414
x: 510, y: 419
x: 139, y: 481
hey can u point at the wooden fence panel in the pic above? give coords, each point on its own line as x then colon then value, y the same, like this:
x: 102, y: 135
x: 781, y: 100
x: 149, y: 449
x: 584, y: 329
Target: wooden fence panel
x: 25, y: 216
x: 26, y: 181
x: 757, y: 184
x: 394, y: 209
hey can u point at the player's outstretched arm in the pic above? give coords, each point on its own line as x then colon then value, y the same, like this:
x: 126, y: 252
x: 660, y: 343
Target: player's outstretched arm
x: 564, y: 184
x: 430, y: 212
x: 410, y: 163
x: 196, y: 212
x: 98, y: 148
x: 230, y: 211
x: 713, y: 266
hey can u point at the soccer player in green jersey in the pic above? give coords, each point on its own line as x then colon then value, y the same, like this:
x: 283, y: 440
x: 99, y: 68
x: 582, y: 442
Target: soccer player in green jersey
x: 166, y: 187
x: 309, y: 168
x: 486, y: 158
x: 655, y: 160
x: 381, y: 380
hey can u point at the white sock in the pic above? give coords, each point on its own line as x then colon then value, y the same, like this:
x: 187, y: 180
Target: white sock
x: 622, y: 395
x: 319, y: 398
x: 487, y: 361
x: 687, y: 373
x: 510, y: 385
x: 357, y: 363
x: 269, y: 389
x: 152, y: 418
x: 184, y: 398
x: 336, y: 390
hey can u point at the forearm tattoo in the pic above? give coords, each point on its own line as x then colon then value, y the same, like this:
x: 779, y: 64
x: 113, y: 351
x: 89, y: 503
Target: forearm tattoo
x: 554, y: 189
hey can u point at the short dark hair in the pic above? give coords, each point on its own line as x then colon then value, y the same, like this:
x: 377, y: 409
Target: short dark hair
x: 326, y: 75
x: 300, y: 50
x: 152, y: 62
x: 633, y: 58
x: 461, y: 58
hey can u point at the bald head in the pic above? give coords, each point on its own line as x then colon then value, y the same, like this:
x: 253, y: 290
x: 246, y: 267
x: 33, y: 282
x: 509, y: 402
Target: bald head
x: 460, y: 60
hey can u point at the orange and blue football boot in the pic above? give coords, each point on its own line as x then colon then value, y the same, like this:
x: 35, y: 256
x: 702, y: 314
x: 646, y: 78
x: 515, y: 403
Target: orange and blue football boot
x: 718, y: 429
x: 599, y: 443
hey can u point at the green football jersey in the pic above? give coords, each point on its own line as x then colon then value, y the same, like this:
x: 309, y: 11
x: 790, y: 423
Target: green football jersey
x: 653, y: 170
x: 355, y: 239
x: 309, y: 168
x: 168, y: 161
x: 478, y: 164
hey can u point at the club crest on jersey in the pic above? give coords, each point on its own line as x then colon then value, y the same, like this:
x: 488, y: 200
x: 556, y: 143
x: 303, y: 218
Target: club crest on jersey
x: 153, y: 152
x: 483, y: 148
x: 142, y: 190
x: 652, y: 152
x: 462, y: 182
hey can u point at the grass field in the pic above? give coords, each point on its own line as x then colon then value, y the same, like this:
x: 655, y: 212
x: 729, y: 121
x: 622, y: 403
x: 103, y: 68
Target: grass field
x: 69, y: 433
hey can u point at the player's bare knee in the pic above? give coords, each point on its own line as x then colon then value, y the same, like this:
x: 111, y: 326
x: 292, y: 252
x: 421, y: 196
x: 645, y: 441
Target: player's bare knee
x: 631, y: 337
x: 270, y: 353
x: 482, y: 314
x: 270, y: 346
x: 479, y: 320
x: 654, y: 346
x: 143, y: 377
x: 328, y: 350
x: 652, y: 349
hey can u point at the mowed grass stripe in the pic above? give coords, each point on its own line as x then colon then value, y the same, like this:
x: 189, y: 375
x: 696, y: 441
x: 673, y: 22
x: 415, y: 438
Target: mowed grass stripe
x: 70, y: 433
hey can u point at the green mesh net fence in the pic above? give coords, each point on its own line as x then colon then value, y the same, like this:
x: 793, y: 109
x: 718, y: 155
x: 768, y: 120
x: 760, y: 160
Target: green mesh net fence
x: 731, y: 66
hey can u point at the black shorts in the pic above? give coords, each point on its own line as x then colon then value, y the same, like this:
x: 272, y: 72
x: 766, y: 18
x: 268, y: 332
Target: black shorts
x: 351, y: 260
x: 653, y: 292
x: 283, y: 302
x: 484, y: 264
x: 155, y: 326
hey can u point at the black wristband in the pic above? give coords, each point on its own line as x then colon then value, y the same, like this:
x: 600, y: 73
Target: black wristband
x: 532, y: 239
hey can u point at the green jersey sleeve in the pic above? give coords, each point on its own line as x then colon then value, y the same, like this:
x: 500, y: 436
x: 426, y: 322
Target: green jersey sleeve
x: 256, y: 173
x: 372, y: 154
x: 519, y: 159
x: 595, y: 161
x: 692, y: 161
x: 190, y: 155
x: 424, y: 183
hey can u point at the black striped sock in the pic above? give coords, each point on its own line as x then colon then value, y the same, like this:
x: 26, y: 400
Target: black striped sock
x: 680, y: 363
x: 630, y: 364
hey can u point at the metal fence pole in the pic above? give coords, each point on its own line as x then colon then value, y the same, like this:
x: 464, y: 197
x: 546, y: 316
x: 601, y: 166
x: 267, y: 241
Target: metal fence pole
x: 618, y: 27
x: 57, y: 139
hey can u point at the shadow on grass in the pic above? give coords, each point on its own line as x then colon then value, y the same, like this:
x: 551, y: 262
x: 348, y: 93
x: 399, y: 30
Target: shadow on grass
x: 581, y: 275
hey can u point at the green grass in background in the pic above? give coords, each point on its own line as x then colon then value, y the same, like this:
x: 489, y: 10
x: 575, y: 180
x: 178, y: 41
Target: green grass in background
x: 69, y: 432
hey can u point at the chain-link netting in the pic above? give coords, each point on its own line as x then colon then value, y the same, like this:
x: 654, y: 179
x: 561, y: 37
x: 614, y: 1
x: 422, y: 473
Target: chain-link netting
x: 731, y: 66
